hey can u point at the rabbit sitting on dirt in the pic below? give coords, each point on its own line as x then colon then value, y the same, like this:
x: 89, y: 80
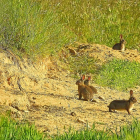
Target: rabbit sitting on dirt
x: 87, y: 82
x: 121, y: 45
x: 83, y: 90
x: 123, y: 104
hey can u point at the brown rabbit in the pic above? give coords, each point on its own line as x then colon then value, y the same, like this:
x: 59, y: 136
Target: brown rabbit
x: 84, y: 90
x: 123, y: 104
x: 121, y: 45
x: 87, y: 82
x: 82, y: 82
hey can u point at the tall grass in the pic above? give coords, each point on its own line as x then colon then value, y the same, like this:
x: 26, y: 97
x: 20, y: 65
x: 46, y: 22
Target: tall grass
x: 101, y: 21
x: 39, y: 28
x: 81, y: 64
x: 30, y: 29
x: 12, y: 130
x: 119, y: 74
x: 128, y: 132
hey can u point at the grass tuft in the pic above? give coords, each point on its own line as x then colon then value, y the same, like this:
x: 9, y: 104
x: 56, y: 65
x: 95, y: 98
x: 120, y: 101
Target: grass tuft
x: 119, y: 74
x: 10, y: 129
x: 128, y: 132
x: 81, y: 64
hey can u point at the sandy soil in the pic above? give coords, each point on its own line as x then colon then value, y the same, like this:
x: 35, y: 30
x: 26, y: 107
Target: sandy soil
x: 45, y: 94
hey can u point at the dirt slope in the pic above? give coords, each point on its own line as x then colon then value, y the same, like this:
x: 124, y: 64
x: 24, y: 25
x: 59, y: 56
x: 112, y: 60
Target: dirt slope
x: 44, y: 94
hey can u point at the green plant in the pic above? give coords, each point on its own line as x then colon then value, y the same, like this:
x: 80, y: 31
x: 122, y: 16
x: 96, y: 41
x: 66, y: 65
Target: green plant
x: 128, y: 132
x: 10, y: 129
x: 82, y: 64
x: 119, y: 74
x: 39, y: 28
x: 28, y: 28
x: 86, y: 134
x: 101, y: 22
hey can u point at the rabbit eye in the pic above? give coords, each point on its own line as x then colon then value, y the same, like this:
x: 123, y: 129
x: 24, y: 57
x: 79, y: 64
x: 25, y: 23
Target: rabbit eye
x: 133, y: 98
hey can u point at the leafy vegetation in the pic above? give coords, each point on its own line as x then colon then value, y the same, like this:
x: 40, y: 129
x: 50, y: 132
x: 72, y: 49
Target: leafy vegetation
x: 29, y: 29
x: 119, y: 74
x: 12, y: 130
x: 82, y: 64
x: 40, y: 28
x: 128, y: 132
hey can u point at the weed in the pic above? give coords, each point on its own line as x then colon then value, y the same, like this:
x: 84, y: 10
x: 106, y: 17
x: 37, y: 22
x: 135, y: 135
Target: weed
x: 119, y: 74
x: 39, y: 28
x: 10, y: 129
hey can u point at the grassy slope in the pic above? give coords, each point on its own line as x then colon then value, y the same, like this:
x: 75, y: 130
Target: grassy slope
x: 38, y: 28
x: 119, y: 74
x: 12, y: 130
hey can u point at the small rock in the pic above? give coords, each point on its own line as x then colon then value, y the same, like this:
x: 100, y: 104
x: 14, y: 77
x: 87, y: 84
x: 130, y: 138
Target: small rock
x: 93, y: 100
x: 33, y: 98
x: 134, y: 109
x: 73, y: 113
x: 101, y: 98
x: 46, y: 129
x: 80, y: 120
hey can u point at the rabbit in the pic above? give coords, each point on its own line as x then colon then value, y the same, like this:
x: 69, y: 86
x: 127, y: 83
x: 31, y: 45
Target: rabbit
x: 84, y: 90
x: 81, y: 81
x: 121, y: 45
x: 87, y: 82
x: 123, y: 104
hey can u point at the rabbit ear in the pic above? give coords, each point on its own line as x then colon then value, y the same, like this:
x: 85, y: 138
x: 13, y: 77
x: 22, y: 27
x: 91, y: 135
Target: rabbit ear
x: 89, y: 77
x: 131, y: 92
x: 121, y: 36
x: 83, y: 77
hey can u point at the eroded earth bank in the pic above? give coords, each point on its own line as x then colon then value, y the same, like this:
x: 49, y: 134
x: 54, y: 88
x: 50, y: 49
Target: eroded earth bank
x: 44, y: 93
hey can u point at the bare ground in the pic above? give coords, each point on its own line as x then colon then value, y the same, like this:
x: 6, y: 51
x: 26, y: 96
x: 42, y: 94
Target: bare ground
x: 45, y: 94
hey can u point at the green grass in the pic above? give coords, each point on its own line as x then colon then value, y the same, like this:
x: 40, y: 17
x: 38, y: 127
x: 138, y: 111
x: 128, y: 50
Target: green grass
x: 31, y: 30
x: 119, y: 74
x: 12, y: 130
x: 81, y: 64
x: 128, y: 132
x: 39, y: 28
x: 101, y: 22
x: 83, y: 135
